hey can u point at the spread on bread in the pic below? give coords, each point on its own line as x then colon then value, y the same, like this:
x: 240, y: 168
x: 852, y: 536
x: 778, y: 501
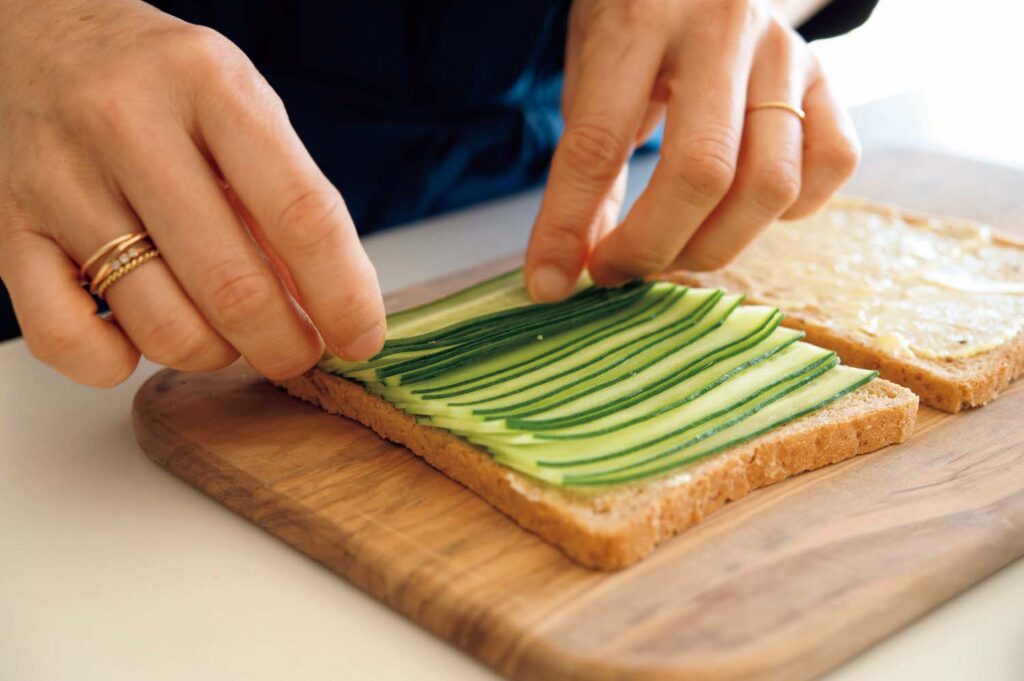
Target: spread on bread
x: 933, y: 289
x: 610, y: 386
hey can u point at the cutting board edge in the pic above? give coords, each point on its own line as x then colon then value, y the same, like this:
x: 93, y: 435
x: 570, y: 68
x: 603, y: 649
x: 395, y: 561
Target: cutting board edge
x: 529, y: 655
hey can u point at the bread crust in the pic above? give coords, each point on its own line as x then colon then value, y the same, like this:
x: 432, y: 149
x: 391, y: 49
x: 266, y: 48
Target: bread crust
x: 947, y: 385
x: 613, y: 527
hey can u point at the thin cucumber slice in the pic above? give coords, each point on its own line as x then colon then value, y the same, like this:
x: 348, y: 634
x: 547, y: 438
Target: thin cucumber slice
x: 742, y: 330
x: 545, y: 350
x: 615, y: 357
x: 610, y: 386
x: 677, y: 395
x: 480, y: 328
x: 810, y: 397
x: 641, y: 455
x: 793, y: 362
x: 668, y: 357
x: 417, y: 370
x: 540, y: 319
x: 502, y: 292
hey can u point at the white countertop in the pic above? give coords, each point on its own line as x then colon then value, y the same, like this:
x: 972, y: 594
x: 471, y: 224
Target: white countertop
x: 114, y: 569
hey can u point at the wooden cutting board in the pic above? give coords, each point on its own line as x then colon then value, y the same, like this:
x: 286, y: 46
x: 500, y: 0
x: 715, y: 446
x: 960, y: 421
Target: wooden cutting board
x: 785, y: 584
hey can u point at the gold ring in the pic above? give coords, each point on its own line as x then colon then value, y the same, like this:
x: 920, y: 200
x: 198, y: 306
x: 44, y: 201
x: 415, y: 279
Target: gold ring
x: 785, y: 106
x: 104, y: 250
x: 127, y: 249
x: 121, y: 271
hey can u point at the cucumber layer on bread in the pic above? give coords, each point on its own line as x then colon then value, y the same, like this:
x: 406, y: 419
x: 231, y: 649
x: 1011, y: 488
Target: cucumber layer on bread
x: 614, y: 420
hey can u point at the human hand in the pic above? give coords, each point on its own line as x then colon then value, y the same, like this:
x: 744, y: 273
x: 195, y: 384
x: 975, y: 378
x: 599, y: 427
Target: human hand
x: 724, y: 173
x: 116, y: 118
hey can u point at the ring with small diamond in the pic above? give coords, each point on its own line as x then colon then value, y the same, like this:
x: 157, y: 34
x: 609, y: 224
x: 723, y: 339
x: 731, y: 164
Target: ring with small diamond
x: 124, y: 267
x: 118, y: 258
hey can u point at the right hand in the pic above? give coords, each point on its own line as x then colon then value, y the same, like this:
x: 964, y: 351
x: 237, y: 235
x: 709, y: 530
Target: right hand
x: 116, y: 117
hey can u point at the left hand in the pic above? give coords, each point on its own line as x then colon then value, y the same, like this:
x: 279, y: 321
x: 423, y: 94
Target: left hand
x: 725, y: 173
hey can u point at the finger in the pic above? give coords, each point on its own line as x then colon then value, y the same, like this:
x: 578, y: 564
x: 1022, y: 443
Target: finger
x: 188, y: 215
x: 653, y: 117
x: 149, y: 304
x: 611, y: 209
x: 257, y: 234
x: 300, y: 215
x: 768, y: 170
x: 571, y: 70
x: 831, y: 149
x: 703, y: 125
x: 58, y: 318
x: 617, y: 73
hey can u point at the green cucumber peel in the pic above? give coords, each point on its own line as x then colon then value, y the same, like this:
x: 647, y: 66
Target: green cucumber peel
x: 624, y: 319
x: 745, y: 437
x: 691, y: 369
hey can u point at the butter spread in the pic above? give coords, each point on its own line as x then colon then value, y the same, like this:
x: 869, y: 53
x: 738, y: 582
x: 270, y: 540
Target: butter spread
x: 936, y: 290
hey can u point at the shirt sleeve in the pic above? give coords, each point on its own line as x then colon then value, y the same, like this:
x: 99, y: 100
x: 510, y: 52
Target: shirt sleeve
x: 836, y: 18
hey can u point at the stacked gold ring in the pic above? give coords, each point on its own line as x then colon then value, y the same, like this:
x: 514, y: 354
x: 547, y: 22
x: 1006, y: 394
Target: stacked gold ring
x: 117, y: 258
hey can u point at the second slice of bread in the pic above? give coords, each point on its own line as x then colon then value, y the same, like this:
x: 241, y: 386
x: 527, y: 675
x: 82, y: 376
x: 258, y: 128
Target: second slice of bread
x: 612, y: 527
x: 946, y: 384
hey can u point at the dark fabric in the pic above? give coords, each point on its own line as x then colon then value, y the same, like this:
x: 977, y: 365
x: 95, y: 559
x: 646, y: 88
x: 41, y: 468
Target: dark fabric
x: 8, y: 324
x: 837, y: 18
x: 412, y: 107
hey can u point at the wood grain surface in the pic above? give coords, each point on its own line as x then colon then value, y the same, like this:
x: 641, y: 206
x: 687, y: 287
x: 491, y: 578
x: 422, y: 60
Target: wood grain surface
x: 785, y: 584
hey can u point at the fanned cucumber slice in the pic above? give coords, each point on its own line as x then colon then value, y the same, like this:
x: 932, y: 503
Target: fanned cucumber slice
x: 416, y: 370
x: 628, y: 360
x: 804, y: 399
x: 740, y: 331
x: 675, y: 396
x: 612, y: 359
x: 547, y: 349
x: 610, y: 386
x: 504, y: 321
x: 792, y: 363
x: 502, y: 292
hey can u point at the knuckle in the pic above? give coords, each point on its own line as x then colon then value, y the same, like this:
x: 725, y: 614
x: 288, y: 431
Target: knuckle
x: 777, y: 42
x: 101, y: 104
x: 237, y: 293
x: 222, y: 72
x: 843, y: 156
x: 309, y: 221
x: 746, y: 12
x: 51, y: 340
x: 637, y: 15
x: 561, y: 237
x: 173, y: 342
x: 637, y: 258
x: 706, y: 166
x: 297, y: 361
x: 775, y: 186
x: 203, y: 48
x: 594, y: 151
x: 361, y: 310
x: 709, y: 261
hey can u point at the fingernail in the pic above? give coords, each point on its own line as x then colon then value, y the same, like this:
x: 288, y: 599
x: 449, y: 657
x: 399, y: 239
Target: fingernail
x: 366, y: 346
x: 549, y: 283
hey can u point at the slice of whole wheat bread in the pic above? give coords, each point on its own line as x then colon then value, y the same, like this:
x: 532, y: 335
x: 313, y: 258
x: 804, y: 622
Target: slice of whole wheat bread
x: 946, y: 384
x: 612, y: 527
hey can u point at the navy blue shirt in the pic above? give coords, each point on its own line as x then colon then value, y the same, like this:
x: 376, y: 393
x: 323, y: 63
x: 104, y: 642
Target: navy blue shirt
x: 410, y: 108
x: 414, y: 107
